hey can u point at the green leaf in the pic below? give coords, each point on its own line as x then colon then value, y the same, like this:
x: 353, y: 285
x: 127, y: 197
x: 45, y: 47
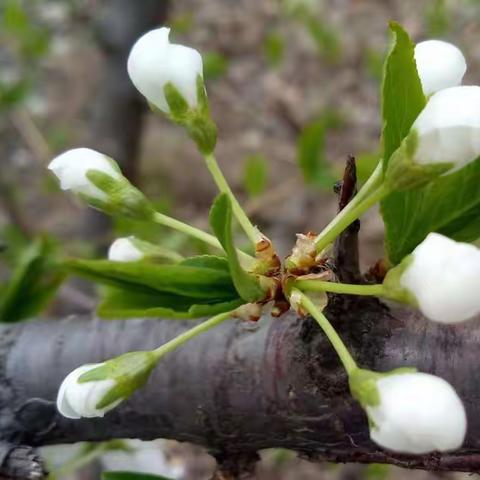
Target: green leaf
x: 119, y: 303
x: 311, y: 153
x: 449, y: 205
x: 246, y: 284
x: 131, y: 476
x: 180, y: 279
x: 35, y: 279
x: 402, y: 94
x: 255, y: 175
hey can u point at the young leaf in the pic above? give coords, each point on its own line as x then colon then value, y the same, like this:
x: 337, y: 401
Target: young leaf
x: 119, y: 303
x: 131, y: 476
x: 221, y: 221
x: 402, y: 94
x: 179, y: 279
x: 450, y: 205
x: 36, y: 278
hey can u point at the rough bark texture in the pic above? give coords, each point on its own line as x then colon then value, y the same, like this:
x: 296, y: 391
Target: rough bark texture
x: 244, y: 387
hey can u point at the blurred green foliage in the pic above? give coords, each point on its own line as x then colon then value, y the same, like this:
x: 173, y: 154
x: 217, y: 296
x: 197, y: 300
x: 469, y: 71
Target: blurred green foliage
x: 311, y: 150
x: 437, y: 18
x: 215, y: 65
x: 26, y: 42
x: 376, y: 471
x: 324, y: 36
x: 274, y: 48
x: 131, y: 476
x: 255, y: 175
x: 35, y: 276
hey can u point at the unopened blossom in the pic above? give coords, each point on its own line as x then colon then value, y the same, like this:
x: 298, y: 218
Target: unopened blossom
x: 154, y: 62
x: 124, y: 250
x: 443, y: 275
x: 439, y: 64
x: 448, y: 128
x: 76, y: 400
x: 417, y: 413
x: 71, y: 169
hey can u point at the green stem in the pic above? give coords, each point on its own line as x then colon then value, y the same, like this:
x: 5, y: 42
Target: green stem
x: 348, y: 216
x: 347, y: 288
x: 80, y: 461
x: 337, y: 343
x: 189, y: 334
x: 162, y: 219
x: 222, y: 184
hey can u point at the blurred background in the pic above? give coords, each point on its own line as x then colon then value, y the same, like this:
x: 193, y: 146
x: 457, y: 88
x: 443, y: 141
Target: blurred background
x: 294, y: 88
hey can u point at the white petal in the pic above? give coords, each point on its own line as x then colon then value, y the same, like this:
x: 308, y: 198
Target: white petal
x: 449, y: 127
x: 72, y: 166
x: 444, y: 277
x: 76, y: 400
x: 440, y: 65
x: 124, y: 250
x: 153, y: 62
x: 418, y: 413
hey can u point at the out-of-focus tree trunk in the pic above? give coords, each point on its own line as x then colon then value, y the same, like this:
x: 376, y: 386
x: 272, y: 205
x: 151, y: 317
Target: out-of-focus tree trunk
x: 117, y: 109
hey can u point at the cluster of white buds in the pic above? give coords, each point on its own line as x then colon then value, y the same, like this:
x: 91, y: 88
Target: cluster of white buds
x: 98, y: 180
x: 441, y: 278
x: 439, y: 64
x: 92, y: 390
x: 170, y: 77
x: 417, y: 413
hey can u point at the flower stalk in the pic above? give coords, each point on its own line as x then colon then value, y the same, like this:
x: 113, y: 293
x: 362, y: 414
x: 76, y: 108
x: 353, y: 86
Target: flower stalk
x: 251, y: 231
x: 343, y: 288
x: 337, y: 343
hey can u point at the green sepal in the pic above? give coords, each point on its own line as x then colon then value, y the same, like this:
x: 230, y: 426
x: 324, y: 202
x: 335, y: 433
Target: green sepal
x: 198, y: 122
x: 246, y: 284
x: 129, y: 371
x: 403, y: 173
x: 393, y: 288
x: 123, y: 199
x: 363, y: 384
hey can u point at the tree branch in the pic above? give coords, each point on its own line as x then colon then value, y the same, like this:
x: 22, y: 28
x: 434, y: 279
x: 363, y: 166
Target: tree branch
x: 243, y: 387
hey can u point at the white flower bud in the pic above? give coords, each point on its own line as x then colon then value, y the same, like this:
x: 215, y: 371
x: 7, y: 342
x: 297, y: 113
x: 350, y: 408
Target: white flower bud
x: 418, y: 413
x: 154, y: 61
x: 72, y: 166
x: 124, y: 250
x: 443, y: 276
x: 77, y: 400
x: 440, y: 65
x: 448, y: 128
